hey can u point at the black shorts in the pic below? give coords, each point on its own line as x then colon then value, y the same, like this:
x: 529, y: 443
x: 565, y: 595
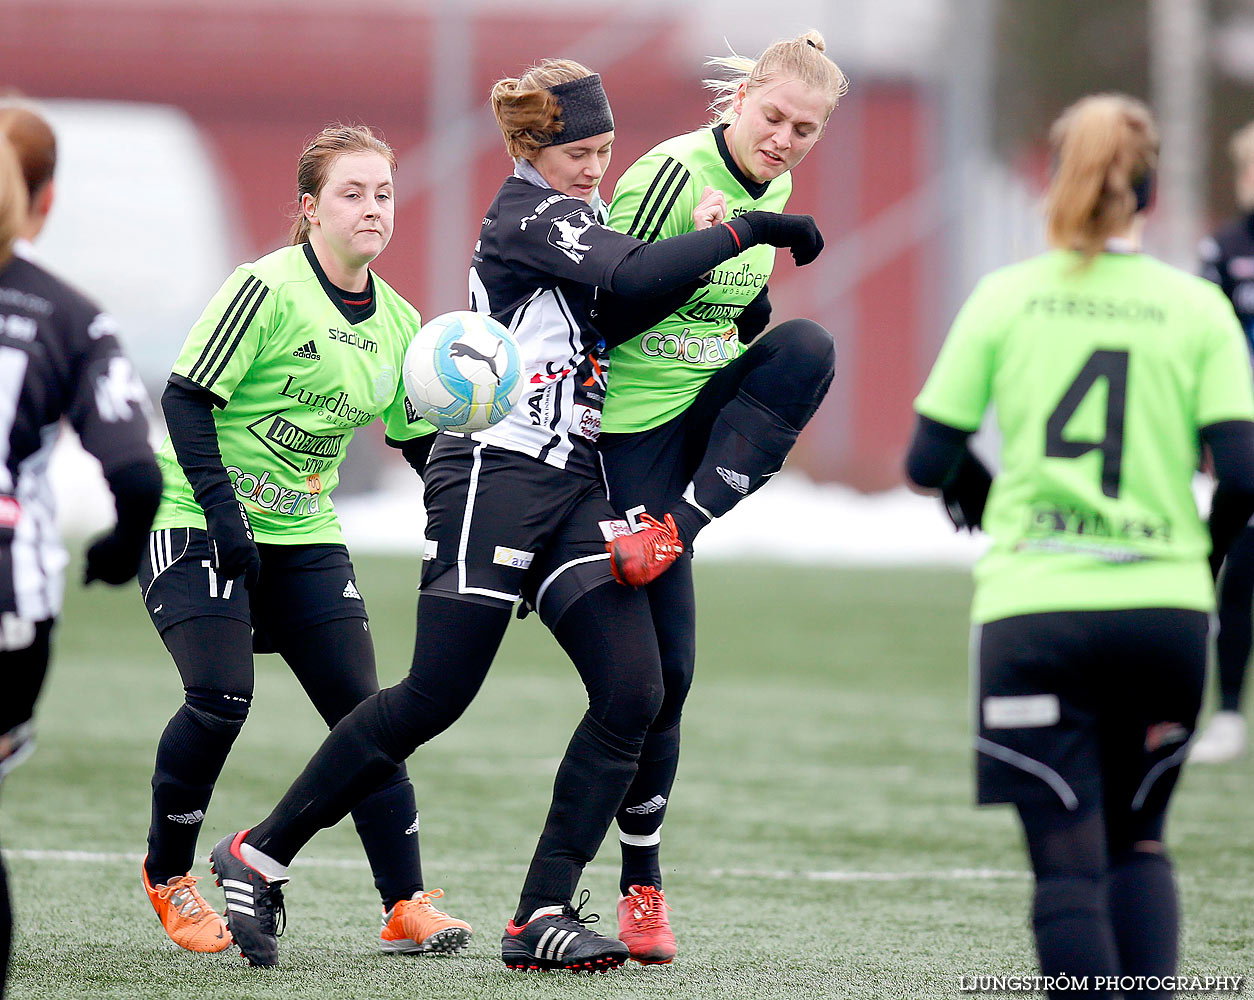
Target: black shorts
x: 299, y: 585
x: 1089, y: 708
x: 501, y: 525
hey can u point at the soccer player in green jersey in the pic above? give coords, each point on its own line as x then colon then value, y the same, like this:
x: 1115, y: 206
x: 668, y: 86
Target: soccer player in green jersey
x: 296, y: 352
x: 695, y: 419
x: 1108, y: 371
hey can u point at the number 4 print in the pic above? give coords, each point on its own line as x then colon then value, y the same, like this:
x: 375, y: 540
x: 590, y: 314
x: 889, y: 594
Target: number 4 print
x: 1113, y: 367
x: 213, y: 582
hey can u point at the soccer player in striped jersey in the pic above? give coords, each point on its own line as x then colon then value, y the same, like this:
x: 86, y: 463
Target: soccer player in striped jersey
x: 1108, y: 371
x: 695, y: 418
x: 295, y: 352
x: 519, y: 510
x: 59, y: 358
x: 1228, y: 260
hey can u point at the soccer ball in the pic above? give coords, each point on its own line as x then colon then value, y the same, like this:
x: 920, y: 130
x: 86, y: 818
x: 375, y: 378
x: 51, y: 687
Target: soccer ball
x: 463, y: 371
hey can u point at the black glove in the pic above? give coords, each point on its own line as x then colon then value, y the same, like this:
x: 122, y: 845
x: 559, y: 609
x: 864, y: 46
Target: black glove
x: 113, y: 559
x: 966, y: 493
x: 231, y: 542
x: 799, y: 233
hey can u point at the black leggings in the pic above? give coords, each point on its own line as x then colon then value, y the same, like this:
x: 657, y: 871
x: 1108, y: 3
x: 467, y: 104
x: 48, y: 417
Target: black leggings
x: 23, y: 671
x: 608, y: 635
x: 1104, y: 903
x: 1236, y: 605
x: 770, y: 393
x: 334, y: 663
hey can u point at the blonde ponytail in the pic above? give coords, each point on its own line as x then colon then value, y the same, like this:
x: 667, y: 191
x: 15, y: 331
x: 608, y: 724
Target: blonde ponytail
x: 802, y: 58
x: 1105, y: 145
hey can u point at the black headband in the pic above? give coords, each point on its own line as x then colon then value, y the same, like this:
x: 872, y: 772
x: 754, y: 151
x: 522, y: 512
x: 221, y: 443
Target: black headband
x: 584, y: 109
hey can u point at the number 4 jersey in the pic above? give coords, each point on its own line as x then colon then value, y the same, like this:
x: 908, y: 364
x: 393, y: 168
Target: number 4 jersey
x: 1101, y: 377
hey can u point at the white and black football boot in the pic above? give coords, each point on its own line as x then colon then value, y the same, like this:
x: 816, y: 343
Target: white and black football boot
x: 254, y: 906
x: 556, y: 937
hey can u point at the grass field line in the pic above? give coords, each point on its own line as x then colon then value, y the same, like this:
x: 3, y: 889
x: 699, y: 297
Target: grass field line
x: 772, y: 874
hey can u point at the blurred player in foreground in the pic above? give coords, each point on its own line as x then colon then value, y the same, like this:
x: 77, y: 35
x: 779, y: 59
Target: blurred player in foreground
x: 519, y: 510
x: 295, y: 352
x: 1108, y: 370
x: 694, y: 419
x: 59, y: 357
x: 1228, y: 260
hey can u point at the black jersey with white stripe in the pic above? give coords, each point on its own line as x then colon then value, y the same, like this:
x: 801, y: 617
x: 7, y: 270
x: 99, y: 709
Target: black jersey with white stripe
x: 536, y: 267
x: 1228, y: 261
x: 59, y: 357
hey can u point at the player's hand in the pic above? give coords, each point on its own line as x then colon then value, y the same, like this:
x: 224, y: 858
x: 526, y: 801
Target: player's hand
x: 231, y: 542
x: 798, y: 233
x: 112, y: 559
x: 710, y: 210
x: 967, y: 493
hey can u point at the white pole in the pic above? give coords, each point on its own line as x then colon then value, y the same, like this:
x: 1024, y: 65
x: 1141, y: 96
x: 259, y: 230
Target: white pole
x: 1178, y: 84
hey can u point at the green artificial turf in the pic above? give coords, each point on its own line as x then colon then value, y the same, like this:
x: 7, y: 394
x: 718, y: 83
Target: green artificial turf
x: 821, y: 840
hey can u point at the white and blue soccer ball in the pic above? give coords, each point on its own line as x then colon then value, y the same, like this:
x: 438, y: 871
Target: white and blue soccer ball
x: 463, y: 371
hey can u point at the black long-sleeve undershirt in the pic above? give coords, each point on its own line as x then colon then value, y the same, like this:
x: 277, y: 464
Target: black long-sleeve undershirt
x: 188, y: 413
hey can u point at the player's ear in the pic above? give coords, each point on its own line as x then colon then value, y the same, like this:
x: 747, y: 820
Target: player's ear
x: 43, y: 200
x: 309, y: 207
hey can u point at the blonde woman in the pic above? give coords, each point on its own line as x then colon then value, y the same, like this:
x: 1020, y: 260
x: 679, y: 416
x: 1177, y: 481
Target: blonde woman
x: 696, y: 419
x: 1108, y: 370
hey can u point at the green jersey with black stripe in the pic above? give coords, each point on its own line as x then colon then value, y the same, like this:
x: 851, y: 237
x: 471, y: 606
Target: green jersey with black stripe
x: 294, y: 378
x: 658, y: 374
x: 1101, y: 377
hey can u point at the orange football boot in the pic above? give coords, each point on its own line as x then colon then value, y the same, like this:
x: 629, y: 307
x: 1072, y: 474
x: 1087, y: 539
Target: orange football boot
x: 189, y: 921
x: 415, y: 927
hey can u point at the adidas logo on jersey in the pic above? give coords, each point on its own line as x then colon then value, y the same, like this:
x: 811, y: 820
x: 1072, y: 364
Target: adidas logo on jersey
x: 413, y: 827
x: 738, y: 481
x: 351, y: 591
x: 187, y: 819
x: 646, y: 808
x: 309, y: 351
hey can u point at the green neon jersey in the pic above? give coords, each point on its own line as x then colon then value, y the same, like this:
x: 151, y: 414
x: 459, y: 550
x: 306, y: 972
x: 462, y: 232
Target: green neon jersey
x: 1101, y: 378
x: 656, y: 376
x: 296, y: 378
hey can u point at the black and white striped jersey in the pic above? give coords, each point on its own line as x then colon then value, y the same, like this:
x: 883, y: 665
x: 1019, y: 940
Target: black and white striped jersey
x: 536, y: 267
x: 59, y: 357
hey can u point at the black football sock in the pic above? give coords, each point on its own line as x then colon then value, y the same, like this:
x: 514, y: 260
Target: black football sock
x: 689, y: 519
x: 1146, y: 916
x: 597, y: 769
x: 350, y: 764
x: 644, y: 808
x: 190, y: 755
x: 1073, y: 934
x: 454, y: 644
x: 387, y: 823
x: 748, y: 444
x: 642, y: 865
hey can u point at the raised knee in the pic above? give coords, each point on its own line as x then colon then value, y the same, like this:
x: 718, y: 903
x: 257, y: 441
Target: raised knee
x: 808, y: 344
